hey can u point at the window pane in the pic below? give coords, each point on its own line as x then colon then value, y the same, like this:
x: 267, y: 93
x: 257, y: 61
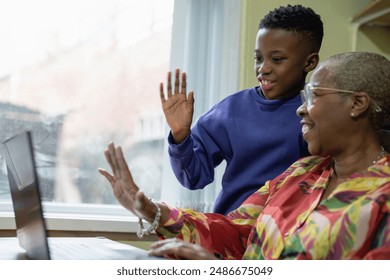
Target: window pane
x: 79, y: 74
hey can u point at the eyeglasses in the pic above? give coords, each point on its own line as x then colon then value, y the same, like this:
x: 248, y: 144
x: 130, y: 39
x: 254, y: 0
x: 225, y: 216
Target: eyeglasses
x: 308, y: 94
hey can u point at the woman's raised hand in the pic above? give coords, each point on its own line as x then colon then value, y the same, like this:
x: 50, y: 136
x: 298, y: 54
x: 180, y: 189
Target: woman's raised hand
x: 125, y: 190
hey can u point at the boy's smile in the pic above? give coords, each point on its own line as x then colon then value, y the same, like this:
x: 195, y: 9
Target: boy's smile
x: 266, y: 85
x: 281, y: 63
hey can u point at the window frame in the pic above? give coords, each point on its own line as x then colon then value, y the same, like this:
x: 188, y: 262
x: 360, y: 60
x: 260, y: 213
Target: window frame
x: 99, y: 217
x: 77, y: 217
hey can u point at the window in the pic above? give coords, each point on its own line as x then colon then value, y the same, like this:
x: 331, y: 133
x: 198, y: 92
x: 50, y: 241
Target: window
x: 82, y: 73
x: 79, y: 74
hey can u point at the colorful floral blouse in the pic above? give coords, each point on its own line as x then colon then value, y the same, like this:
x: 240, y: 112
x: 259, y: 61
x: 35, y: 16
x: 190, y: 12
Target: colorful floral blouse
x: 286, y: 219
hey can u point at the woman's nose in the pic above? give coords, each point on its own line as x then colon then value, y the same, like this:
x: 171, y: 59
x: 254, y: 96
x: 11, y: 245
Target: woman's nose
x: 302, y: 110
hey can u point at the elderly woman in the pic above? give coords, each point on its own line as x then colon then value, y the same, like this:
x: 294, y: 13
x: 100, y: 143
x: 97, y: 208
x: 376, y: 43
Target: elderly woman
x: 332, y: 205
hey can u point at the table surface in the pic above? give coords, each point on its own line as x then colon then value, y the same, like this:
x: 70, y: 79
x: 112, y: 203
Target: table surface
x: 10, y: 249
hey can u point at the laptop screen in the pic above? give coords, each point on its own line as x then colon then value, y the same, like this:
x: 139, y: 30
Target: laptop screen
x: 24, y: 187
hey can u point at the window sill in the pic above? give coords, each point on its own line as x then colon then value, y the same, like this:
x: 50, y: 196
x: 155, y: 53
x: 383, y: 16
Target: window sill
x: 74, y: 222
x: 80, y: 220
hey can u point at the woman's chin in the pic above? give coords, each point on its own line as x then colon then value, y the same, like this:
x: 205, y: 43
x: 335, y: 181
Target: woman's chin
x: 313, y: 150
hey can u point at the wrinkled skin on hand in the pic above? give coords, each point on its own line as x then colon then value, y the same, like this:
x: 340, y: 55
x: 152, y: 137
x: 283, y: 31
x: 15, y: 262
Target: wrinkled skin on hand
x: 180, y: 250
x: 124, y: 188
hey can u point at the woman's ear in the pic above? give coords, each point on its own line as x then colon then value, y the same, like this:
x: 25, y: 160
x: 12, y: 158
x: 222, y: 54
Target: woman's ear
x: 311, y: 62
x: 361, y: 103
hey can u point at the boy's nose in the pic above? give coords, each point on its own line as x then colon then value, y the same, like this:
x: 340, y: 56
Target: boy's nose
x: 264, y: 68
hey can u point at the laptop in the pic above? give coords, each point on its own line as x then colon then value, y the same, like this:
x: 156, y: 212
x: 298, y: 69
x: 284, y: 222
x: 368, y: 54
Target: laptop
x: 30, y: 224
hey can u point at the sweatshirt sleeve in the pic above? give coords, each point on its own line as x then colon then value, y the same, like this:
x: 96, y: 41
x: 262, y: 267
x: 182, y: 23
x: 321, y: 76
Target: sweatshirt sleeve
x: 193, y: 161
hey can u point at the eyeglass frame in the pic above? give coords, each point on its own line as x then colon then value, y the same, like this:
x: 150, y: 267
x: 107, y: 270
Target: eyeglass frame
x: 307, y: 96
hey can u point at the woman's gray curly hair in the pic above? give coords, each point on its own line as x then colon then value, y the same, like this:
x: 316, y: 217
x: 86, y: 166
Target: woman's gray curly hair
x: 364, y: 72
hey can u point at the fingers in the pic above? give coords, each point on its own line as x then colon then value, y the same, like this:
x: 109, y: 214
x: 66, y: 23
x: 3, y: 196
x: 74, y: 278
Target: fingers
x: 166, y: 247
x: 179, y: 249
x: 183, y: 83
x: 177, y: 88
x: 159, y: 244
x: 112, y: 160
x: 183, y: 88
x: 107, y: 175
x: 122, y: 164
x: 169, y: 88
x: 191, y: 99
x: 123, y: 171
x: 169, y: 84
x: 162, y: 96
x: 117, y: 162
x: 177, y: 81
x: 109, y: 160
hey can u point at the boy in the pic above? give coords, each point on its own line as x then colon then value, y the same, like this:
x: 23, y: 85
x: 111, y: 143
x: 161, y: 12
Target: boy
x: 255, y: 130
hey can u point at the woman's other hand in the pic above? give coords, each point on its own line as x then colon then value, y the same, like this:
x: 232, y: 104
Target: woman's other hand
x: 180, y: 250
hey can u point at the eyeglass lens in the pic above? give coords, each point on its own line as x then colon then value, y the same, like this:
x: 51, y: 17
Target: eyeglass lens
x: 306, y: 95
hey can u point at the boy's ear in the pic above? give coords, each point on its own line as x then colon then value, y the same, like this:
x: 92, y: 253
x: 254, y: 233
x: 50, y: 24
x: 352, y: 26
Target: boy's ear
x: 311, y: 62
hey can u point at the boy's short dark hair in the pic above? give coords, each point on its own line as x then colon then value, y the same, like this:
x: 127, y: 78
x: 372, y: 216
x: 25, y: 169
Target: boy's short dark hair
x: 298, y: 19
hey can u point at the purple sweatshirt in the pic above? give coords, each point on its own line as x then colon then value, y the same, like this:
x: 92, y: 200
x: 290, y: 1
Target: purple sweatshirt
x: 258, y: 138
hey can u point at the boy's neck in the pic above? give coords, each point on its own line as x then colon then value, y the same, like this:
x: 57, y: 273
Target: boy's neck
x: 260, y: 92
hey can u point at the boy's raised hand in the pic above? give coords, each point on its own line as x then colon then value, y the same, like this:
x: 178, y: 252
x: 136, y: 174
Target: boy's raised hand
x: 177, y: 106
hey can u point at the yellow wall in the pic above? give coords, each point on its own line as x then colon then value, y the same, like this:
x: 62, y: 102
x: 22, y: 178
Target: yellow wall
x: 338, y: 30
